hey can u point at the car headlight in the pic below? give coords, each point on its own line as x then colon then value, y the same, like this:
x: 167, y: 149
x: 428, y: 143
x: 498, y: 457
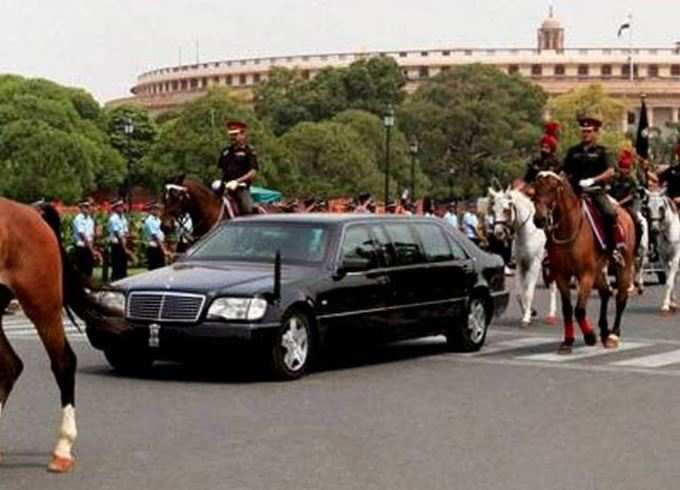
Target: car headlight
x: 237, y: 309
x: 113, y: 301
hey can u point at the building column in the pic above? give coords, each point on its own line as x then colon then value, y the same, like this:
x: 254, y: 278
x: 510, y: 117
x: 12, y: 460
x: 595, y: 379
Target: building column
x: 674, y: 111
x: 624, y: 121
x: 650, y: 116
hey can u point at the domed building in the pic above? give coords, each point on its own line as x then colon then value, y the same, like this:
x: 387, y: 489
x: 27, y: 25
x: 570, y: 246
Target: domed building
x: 556, y: 68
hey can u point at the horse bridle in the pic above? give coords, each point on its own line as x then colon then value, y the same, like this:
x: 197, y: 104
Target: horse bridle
x: 509, y: 224
x: 553, y: 225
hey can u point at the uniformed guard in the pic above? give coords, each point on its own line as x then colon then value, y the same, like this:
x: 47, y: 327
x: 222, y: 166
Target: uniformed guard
x: 118, y: 231
x: 547, y: 160
x: 588, y: 169
x: 238, y: 163
x: 624, y: 190
x: 671, y: 178
x: 154, y: 238
x: 83, y: 238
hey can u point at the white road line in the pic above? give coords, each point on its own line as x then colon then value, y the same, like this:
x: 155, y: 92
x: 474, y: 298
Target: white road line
x: 583, y: 353
x: 653, y: 361
x: 508, y: 345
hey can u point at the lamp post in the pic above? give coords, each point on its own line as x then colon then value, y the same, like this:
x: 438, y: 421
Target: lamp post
x: 452, y: 173
x: 129, y: 130
x: 413, y: 148
x: 388, y: 122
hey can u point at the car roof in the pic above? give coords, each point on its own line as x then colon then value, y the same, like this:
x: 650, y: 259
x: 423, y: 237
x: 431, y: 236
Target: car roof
x: 327, y: 218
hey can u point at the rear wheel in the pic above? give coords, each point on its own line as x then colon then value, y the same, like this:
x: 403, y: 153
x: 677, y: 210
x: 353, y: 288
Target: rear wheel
x: 292, y: 346
x: 470, y: 336
x: 129, y: 362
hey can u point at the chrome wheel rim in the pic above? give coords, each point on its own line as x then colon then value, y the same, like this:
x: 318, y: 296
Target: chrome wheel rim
x: 477, y: 321
x: 295, y: 343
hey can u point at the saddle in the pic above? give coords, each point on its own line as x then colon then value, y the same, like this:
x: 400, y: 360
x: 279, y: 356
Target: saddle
x: 596, y: 221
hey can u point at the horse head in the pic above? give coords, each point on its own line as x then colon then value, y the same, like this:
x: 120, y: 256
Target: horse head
x: 547, y: 189
x: 502, y: 212
x: 176, y: 201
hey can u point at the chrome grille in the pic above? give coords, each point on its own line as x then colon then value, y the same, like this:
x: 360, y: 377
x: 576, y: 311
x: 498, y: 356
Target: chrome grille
x: 161, y: 306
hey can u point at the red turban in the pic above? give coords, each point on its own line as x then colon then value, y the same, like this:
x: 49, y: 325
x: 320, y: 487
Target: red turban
x: 552, y: 128
x: 549, y: 141
x: 626, y: 159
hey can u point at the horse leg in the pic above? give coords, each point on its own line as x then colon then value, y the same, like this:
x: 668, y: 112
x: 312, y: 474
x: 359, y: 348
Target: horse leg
x: 47, y: 319
x: 519, y: 290
x: 531, y: 278
x: 603, y: 322
x: 567, y: 315
x: 670, y: 282
x: 10, y: 363
x: 584, y: 288
x: 552, y: 313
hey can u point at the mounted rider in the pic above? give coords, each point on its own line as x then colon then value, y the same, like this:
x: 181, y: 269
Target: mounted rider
x: 588, y: 169
x: 238, y: 163
x: 547, y: 160
x: 624, y: 189
x: 671, y: 178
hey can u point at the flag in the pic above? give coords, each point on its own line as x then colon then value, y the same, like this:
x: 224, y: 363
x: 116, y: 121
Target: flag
x: 642, y: 141
x: 623, y: 27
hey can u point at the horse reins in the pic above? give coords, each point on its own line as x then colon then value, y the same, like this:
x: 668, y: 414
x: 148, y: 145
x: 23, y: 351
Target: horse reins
x: 553, y: 227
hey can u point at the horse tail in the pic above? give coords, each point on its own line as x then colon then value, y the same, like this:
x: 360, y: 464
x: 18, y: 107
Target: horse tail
x: 77, y: 300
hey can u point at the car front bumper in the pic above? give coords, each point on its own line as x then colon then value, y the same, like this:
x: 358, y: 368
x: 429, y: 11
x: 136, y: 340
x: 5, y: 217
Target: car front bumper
x: 174, y: 340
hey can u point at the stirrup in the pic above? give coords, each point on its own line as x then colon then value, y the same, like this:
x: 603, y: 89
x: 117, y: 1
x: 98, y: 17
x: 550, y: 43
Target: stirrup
x: 618, y: 257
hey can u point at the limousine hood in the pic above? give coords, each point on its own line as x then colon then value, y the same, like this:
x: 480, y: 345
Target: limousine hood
x: 202, y: 277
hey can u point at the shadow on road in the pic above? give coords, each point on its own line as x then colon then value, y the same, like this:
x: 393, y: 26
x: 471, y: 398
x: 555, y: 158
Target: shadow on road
x: 252, y: 367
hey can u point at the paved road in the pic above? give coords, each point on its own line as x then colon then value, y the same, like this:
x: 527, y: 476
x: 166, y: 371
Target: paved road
x: 406, y: 416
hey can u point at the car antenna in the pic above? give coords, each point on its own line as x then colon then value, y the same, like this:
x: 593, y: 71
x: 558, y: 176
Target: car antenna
x: 277, y: 277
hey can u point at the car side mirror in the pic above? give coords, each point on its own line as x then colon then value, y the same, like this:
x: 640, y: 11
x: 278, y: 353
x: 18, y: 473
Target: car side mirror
x: 351, y: 265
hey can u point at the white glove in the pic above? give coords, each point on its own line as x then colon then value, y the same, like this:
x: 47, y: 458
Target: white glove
x: 585, y: 183
x: 232, y: 185
x: 216, y: 185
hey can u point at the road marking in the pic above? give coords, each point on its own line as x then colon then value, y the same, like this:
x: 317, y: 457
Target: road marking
x: 508, y: 345
x: 583, y: 353
x: 653, y: 361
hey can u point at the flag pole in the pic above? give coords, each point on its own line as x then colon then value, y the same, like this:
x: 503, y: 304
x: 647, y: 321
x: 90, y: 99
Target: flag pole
x: 630, y: 49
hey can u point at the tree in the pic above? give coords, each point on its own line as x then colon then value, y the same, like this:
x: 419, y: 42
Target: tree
x: 475, y: 124
x: 372, y: 133
x: 191, y: 142
x: 592, y: 101
x: 51, y: 142
x: 333, y: 160
x: 287, y: 98
x: 132, y: 147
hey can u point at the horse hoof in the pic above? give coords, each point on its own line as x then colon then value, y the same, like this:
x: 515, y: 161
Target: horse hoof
x: 611, y: 342
x: 564, y: 349
x: 551, y: 320
x: 590, y: 338
x: 525, y: 324
x: 61, y: 465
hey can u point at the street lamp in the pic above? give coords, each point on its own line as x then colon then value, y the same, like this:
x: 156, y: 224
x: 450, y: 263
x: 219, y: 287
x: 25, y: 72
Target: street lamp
x: 388, y: 122
x: 452, y: 173
x: 413, y: 149
x: 129, y: 130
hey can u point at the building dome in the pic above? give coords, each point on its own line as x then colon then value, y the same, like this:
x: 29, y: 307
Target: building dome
x: 551, y: 22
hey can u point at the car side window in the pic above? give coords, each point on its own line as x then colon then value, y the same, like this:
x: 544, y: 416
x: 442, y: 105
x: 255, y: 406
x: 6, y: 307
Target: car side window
x: 406, y: 246
x: 458, y: 251
x: 383, y: 245
x: 437, y: 248
x: 358, y: 245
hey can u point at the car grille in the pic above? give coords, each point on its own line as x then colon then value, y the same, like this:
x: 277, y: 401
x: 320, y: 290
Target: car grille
x: 170, y: 307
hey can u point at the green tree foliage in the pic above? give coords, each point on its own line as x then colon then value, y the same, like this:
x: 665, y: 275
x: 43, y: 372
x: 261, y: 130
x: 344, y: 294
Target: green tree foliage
x: 51, y: 142
x: 372, y: 133
x: 133, y: 147
x: 191, y: 142
x: 332, y: 157
x: 287, y: 99
x: 592, y: 101
x: 475, y: 123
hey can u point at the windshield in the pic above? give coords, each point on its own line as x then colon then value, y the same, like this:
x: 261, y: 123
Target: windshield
x: 259, y: 242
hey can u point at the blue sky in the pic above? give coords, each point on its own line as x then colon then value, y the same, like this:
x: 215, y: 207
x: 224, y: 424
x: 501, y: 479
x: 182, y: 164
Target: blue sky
x: 102, y: 45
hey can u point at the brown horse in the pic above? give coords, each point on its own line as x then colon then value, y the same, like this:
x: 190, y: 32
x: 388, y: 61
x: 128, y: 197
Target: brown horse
x: 184, y: 196
x: 574, y: 252
x: 35, y: 270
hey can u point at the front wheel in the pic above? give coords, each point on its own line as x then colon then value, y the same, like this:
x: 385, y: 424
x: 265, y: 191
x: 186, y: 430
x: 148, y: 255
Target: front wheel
x: 470, y: 336
x: 292, y: 347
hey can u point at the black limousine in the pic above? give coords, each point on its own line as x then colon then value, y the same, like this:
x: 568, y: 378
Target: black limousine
x: 294, y: 283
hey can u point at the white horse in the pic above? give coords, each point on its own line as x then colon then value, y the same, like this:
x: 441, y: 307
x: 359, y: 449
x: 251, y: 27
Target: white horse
x: 513, y: 214
x: 664, y: 220
x: 642, y: 253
